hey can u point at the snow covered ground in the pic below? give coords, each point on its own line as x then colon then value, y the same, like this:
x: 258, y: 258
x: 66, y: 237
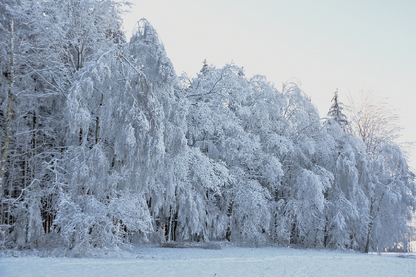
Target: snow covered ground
x: 228, y: 261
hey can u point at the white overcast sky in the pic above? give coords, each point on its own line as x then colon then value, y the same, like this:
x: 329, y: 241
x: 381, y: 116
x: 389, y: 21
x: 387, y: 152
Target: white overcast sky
x: 352, y: 45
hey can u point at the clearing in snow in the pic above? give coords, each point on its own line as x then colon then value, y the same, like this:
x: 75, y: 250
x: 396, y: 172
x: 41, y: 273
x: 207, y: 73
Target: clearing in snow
x: 228, y: 261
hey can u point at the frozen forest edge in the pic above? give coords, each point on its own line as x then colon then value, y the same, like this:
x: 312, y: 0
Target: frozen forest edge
x: 103, y: 145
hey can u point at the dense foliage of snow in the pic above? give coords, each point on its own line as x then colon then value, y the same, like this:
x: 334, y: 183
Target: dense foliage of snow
x: 104, y: 145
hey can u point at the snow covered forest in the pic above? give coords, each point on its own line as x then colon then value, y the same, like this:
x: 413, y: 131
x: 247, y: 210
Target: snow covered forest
x: 103, y: 144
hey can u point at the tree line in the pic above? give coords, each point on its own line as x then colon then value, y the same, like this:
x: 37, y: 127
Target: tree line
x: 103, y: 144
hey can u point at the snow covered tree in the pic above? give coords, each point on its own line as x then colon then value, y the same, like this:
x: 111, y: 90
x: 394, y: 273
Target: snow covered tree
x: 306, y: 209
x: 374, y: 121
x: 301, y: 135
x: 42, y: 75
x: 117, y: 112
x: 391, y: 192
x: 346, y: 211
x: 33, y: 101
x: 335, y: 112
x: 222, y: 104
x: 390, y: 181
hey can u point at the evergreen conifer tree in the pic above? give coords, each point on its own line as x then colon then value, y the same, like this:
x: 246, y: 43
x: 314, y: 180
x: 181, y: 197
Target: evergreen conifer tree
x: 335, y: 112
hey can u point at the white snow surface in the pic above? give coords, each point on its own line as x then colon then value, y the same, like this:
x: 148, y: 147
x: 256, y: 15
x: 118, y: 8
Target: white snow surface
x: 227, y: 261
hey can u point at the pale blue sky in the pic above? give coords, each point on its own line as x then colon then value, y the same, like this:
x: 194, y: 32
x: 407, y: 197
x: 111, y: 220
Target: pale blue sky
x: 350, y: 45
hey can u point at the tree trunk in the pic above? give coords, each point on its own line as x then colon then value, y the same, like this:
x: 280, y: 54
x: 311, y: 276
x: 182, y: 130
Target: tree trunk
x: 370, y: 227
x: 97, y: 121
x: 9, y: 115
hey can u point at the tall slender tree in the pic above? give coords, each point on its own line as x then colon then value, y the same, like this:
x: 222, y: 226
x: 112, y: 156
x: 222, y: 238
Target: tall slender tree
x: 336, y: 111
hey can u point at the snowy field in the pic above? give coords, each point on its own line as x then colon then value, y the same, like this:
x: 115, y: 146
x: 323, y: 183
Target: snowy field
x: 228, y: 261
